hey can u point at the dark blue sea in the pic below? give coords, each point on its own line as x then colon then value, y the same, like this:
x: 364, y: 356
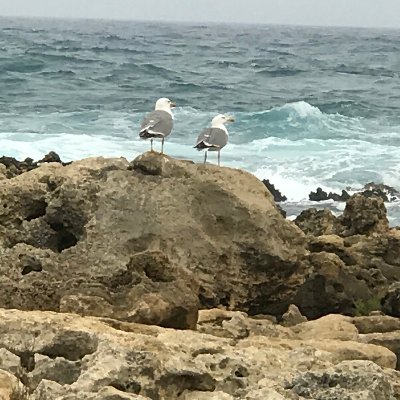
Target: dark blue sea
x: 314, y: 106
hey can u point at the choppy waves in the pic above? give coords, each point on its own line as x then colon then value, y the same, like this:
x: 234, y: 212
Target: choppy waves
x: 313, y: 107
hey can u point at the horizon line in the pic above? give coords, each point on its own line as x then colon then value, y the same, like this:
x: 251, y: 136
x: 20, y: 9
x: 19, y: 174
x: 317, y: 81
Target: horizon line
x: 195, y: 22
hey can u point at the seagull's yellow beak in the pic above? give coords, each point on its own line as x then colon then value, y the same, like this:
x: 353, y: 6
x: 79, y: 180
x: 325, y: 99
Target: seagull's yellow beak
x: 230, y: 118
x: 173, y: 105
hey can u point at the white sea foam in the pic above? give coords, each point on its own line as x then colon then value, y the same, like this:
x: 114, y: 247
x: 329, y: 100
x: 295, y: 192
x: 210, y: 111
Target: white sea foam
x: 302, y: 109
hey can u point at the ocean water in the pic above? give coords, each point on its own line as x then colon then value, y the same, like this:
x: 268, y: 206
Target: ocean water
x: 314, y: 106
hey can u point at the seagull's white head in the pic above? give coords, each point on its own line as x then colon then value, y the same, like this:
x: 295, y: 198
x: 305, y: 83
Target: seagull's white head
x: 220, y: 120
x: 165, y: 104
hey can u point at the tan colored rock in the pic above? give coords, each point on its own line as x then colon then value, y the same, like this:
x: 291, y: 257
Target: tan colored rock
x: 3, y: 170
x: 334, y: 326
x: 390, y: 340
x: 9, y: 385
x: 376, y: 324
x: 216, y: 395
x: 111, y: 393
x: 237, y: 325
x: 101, y: 359
x: 293, y: 316
x: 350, y: 350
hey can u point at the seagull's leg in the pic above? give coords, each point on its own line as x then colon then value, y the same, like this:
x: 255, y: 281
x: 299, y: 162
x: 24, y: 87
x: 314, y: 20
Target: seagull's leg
x: 219, y: 157
x: 162, y: 145
x: 151, y: 145
x: 205, y: 156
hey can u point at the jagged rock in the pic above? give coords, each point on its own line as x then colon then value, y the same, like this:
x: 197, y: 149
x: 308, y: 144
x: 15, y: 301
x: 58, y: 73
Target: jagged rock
x: 282, y: 211
x: 143, y: 242
x: 318, y: 195
x: 52, y: 156
x: 101, y: 358
x: 385, y: 192
x: 317, y: 222
x: 332, y: 244
x: 321, y: 195
x: 344, y: 196
x: 350, y: 380
x: 154, y: 240
x: 332, y: 287
x: 364, y: 216
x: 293, y: 316
x: 12, y: 167
x: 278, y: 197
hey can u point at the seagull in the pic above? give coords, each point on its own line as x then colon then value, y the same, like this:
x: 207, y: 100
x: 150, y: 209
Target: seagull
x: 214, y: 138
x: 158, y: 123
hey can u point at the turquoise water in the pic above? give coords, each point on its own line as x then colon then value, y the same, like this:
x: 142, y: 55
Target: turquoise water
x: 314, y: 106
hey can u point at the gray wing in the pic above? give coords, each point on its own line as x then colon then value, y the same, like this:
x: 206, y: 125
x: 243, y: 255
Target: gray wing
x: 212, y: 139
x: 157, y: 124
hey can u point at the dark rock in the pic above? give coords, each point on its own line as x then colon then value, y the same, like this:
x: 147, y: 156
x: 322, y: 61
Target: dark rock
x: 318, y: 195
x: 333, y: 287
x: 321, y: 195
x: 317, y: 222
x: 339, y: 197
x: 385, y: 192
x: 281, y: 210
x: 15, y: 167
x: 51, y: 157
x: 278, y: 197
x: 391, y: 302
x: 364, y: 216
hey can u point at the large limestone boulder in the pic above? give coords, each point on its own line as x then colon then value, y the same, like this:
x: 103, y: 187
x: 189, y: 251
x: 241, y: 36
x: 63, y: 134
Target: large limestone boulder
x: 145, y: 242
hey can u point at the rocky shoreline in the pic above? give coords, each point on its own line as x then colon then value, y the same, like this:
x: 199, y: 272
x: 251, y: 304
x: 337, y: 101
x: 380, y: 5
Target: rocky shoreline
x: 165, y: 279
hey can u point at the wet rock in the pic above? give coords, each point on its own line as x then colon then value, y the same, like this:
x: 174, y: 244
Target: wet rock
x: 278, y: 197
x: 385, y: 192
x: 51, y: 157
x: 14, y: 167
x: 318, y: 195
x: 344, y: 196
x: 321, y: 195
